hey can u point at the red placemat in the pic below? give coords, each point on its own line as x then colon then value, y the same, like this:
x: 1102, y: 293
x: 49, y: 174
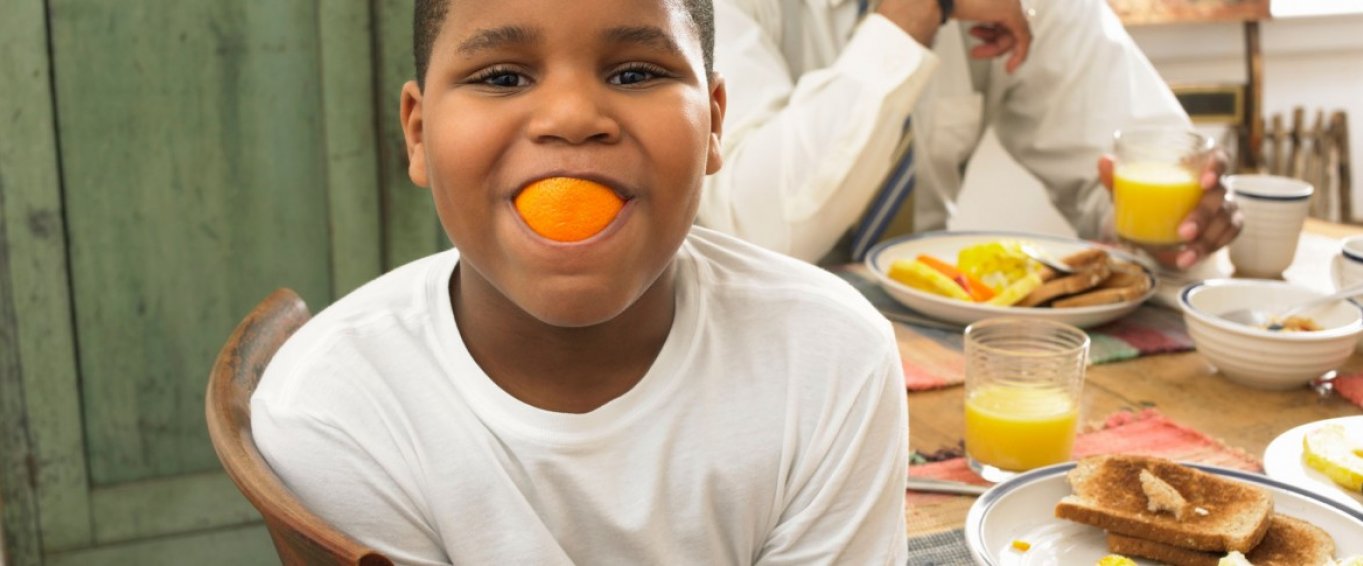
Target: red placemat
x: 1350, y: 387
x: 1147, y: 432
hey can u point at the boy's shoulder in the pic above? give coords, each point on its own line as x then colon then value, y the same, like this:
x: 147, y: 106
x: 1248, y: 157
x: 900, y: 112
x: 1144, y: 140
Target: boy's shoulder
x: 405, y: 291
x: 754, y: 277
x: 390, y: 310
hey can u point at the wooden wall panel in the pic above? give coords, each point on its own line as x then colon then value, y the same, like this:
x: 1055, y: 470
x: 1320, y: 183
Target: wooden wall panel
x: 41, y: 330
x: 194, y: 177
x: 411, y: 229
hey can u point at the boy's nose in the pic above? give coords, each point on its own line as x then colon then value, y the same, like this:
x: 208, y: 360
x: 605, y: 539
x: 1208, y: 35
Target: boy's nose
x: 571, y: 112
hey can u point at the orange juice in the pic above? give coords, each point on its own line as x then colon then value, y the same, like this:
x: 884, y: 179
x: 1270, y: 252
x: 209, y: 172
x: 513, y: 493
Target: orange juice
x: 1151, y: 199
x: 1019, y: 428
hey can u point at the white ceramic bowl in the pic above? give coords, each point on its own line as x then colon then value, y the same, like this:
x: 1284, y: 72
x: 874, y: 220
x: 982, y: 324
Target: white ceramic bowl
x: 1262, y: 358
x: 946, y: 245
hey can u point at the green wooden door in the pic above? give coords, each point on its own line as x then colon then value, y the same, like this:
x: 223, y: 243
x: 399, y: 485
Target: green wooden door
x: 164, y: 165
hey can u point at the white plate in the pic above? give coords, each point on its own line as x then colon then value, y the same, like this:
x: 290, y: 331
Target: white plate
x: 1283, y: 462
x: 1022, y: 508
x: 945, y: 246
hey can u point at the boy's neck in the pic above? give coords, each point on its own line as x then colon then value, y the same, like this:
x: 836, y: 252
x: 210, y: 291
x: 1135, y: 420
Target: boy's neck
x: 566, y: 370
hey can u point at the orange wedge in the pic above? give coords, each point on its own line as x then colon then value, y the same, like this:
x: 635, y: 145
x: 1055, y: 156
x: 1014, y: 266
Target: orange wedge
x: 565, y: 209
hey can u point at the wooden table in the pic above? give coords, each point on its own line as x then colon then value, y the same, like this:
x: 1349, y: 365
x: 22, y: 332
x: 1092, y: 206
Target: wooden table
x: 1183, y: 386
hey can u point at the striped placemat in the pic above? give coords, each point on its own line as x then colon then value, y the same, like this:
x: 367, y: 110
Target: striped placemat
x: 933, y: 358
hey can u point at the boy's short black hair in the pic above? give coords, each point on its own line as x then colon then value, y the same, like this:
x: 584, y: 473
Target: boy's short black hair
x: 428, y: 15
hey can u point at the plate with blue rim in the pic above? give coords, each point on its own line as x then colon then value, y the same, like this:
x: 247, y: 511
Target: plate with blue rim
x: 1023, y: 509
x: 945, y: 245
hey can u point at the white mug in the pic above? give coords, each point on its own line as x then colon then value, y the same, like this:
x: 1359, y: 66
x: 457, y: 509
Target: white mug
x: 1274, y: 209
x: 1347, y: 267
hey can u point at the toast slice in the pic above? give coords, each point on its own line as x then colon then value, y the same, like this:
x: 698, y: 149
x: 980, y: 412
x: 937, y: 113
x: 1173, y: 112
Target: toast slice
x: 1128, y: 282
x: 1288, y: 542
x: 1225, y: 514
x: 1078, y: 261
x: 1088, y: 277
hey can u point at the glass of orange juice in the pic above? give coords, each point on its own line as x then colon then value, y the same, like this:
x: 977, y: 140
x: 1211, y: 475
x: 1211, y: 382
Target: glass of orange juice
x: 1156, y: 183
x: 1023, y: 377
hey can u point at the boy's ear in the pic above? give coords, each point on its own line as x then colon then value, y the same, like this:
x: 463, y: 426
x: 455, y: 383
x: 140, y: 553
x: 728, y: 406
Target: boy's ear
x: 412, y: 126
x: 718, y: 100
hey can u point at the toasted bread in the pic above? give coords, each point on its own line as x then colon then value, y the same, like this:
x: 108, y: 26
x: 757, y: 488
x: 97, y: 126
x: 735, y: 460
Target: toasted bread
x: 1088, y: 277
x: 1077, y: 261
x: 1227, y: 514
x: 1288, y: 542
x: 1128, y: 282
x: 1126, y: 274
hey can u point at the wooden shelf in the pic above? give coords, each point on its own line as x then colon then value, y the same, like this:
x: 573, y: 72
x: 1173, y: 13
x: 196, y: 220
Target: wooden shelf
x: 1144, y: 12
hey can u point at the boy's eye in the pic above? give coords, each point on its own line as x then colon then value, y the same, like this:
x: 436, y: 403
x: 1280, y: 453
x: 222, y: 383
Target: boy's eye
x: 504, y: 79
x: 500, y: 78
x: 635, y: 75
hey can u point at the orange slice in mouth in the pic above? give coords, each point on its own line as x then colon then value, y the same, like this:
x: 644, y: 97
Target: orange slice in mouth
x: 565, y: 209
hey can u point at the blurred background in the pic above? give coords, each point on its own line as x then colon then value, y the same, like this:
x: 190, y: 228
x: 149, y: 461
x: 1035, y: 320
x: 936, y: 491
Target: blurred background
x: 165, y: 164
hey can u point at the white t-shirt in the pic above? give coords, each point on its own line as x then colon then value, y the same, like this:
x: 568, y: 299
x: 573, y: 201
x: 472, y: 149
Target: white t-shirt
x: 771, y: 429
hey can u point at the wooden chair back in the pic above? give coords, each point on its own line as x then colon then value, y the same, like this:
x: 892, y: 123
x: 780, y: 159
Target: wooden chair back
x: 300, y: 537
x: 1318, y: 155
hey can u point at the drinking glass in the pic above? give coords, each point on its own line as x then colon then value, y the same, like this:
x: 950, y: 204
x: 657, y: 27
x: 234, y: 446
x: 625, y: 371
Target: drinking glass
x: 1155, y: 184
x: 1023, y: 378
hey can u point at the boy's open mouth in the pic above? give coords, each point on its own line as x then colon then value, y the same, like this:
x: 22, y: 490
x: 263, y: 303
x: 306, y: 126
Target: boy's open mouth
x: 568, y: 209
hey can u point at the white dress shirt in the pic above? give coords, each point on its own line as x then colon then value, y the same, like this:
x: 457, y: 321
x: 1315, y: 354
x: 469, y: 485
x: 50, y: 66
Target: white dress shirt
x: 816, y: 100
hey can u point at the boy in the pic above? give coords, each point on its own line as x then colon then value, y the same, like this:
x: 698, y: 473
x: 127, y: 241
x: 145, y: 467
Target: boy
x: 646, y: 394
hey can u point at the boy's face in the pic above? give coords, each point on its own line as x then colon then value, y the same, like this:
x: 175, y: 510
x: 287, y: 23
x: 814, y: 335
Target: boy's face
x: 612, y: 91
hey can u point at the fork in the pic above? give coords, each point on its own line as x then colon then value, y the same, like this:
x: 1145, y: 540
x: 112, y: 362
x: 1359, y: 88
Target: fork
x: 1046, y: 260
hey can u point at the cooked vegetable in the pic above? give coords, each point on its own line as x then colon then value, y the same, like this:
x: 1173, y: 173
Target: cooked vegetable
x: 978, y: 291
x: 920, y: 276
x: 1017, y: 291
x: 997, y: 264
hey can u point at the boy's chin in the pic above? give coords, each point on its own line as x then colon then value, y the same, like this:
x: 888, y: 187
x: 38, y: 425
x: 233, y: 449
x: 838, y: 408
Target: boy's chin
x: 573, y: 314
x: 575, y: 308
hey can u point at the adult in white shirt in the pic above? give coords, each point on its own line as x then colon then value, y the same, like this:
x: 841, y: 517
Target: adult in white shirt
x: 818, y: 93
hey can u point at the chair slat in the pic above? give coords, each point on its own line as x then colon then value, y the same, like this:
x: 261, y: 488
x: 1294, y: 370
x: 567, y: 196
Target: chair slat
x: 300, y: 537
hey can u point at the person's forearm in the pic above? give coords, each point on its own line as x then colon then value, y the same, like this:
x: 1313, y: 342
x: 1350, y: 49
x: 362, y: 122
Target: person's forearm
x: 918, y: 18
x: 802, y: 160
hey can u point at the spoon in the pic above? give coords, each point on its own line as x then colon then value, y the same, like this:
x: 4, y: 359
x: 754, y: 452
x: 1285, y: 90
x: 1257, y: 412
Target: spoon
x: 1046, y: 260
x: 1267, y: 319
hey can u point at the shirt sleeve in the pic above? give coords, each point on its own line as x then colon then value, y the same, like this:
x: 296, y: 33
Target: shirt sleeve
x: 847, y: 502
x: 804, y: 155
x: 341, y: 480
x: 1058, y: 112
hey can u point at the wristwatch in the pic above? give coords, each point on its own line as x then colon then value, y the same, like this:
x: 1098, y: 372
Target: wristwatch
x: 946, y: 7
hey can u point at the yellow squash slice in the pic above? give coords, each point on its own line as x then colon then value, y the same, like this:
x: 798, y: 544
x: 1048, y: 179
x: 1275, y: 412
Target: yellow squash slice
x: 921, y: 276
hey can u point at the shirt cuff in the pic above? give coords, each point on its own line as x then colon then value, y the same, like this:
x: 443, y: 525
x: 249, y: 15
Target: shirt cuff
x: 881, y: 52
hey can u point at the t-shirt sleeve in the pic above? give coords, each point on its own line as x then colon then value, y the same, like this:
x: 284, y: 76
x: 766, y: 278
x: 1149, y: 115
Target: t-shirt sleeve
x: 847, y: 503
x: 360, y: 490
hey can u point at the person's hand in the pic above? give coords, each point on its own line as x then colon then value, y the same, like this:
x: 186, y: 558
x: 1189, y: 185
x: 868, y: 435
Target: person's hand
x: 1003, y: 27
x: 1209, y: 227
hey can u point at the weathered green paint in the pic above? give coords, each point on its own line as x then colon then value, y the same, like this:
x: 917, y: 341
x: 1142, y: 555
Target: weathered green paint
x: 168, y: 506
x: 247, y: 545
x: 19, y: 539
x: 209, y: 152
x: 193, y: 171
x: 36, y: 244
x: 352, y: 168
x: 411, y: 229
